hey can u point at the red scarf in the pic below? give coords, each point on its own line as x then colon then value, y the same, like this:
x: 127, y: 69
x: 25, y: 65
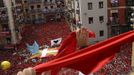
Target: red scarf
x: 89, y: 59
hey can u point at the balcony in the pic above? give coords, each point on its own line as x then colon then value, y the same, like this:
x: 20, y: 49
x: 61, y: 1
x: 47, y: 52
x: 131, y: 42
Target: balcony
x: 39, y: 21
x: 3, y: 19
x: 130, y: 3
x: 56, y: 10
x: 19, y: 21
x: 18, y: 1
x: 3, y: 9
x: 49, y: 11
x: 49, y: 3
x: 5, y: 33
x: 39, y: 10
x: 60, y: 10
x: 1, y: 3
x: 18, y: 10
x: 32, y: 11
x: 7, y: 46
x: 115, y: 4
x: 45, y: 11
x: 26, y: 20
x: 35, y: 11
x: 34, y: 1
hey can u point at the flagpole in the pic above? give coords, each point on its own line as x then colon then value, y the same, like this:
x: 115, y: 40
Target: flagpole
x: 8, y: 5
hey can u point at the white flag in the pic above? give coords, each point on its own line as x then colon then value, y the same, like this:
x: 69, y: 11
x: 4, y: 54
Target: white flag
x: 56, y: 41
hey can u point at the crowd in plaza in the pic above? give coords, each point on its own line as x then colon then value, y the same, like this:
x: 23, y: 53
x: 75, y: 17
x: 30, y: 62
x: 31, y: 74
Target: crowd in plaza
x: 121, y: 64
x: 43, y: 34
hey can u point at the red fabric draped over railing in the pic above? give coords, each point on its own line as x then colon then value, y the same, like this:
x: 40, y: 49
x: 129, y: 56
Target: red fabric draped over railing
x: 89, y: 59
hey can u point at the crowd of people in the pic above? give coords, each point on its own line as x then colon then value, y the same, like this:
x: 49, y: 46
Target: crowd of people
x: 43, y: 34
x: 120, y: 65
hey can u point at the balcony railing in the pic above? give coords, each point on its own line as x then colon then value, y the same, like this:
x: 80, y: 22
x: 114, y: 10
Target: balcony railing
x: 47, y: 11
x: 18, y: 1
x: 39, y: 10
x: 115, y: 21
x: 114, y: 4
x: 49, y: 3
x: 19, y: 21
x: 18, y: 10
x: 39, y: 20
x: 5, y: 32
x: 3, y: 19
x: 60, y: 10
x: 32, y: 11
x: 35, y: 11
x: 26, y: 20
x: 130, y: 3
x: 34, y: 1
x: 1, y: 3
x: 3, y: 9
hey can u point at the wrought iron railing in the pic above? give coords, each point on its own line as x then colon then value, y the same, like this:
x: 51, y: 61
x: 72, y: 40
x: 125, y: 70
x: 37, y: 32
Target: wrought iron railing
x: 34, y: 1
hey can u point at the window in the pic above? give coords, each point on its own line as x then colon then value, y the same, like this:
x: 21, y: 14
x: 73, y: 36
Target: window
x: 25, y: 1
x: 5, y: 27
x: 45, y: 0
x: 39, y: 16
x: 46, y: 7
x: 77, y: 4
x: 101, y: 19
x: 77, y: 11
x: 63, y: 5
x: 26, y: 10
x: 58, y: 6
x: 20, y: 17
x: 90, y: 19
x: 90, y: 6
x: 101, y: 4
x: 12, y: 4
x: 33, y: 16
x: 51, y: 7
x: 3, y: 12
x: 8, y: 40
x: 38, y: 6
x: 1, y: 3
x: 101, y: 33
x: 32, y: 7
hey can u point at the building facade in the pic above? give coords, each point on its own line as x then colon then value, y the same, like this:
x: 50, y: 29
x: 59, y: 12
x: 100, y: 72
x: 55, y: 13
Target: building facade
x: 42, y: 11
x: 91, y: 14
x: 129, y: 11
x: 22, y: 12
x: 119, y: 14
x: 10, y: 21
